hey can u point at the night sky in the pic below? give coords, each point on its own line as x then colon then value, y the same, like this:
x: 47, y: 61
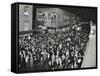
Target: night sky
x: 85, y: 13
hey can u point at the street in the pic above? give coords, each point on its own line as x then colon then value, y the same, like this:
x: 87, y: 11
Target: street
x: 89, y: 59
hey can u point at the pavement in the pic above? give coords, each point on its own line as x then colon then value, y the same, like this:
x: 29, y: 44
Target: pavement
x: 89, y: 59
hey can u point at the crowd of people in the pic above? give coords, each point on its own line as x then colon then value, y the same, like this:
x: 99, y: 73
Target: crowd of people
x: 51, y: 51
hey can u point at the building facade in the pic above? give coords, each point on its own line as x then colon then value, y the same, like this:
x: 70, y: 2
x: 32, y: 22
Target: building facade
x: 54, y: 17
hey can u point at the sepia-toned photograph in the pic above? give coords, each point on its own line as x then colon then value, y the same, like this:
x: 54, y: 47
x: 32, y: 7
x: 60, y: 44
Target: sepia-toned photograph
x: 54, y: 37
